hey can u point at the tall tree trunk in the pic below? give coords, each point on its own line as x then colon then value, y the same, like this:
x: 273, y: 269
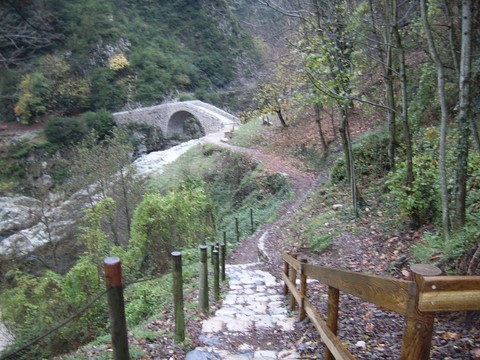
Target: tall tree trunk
x: 463, y: 116
x: 389, y: 88
x: 385, y: 54
x: 407, y: 138
x: 349, y: 158
x: 443, y: 121
x: 344, y: 135
x: 318, y: 120
x: 451, y: 34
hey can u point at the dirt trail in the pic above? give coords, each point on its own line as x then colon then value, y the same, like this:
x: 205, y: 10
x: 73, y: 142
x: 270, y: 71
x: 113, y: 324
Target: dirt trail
x: 301, y: 184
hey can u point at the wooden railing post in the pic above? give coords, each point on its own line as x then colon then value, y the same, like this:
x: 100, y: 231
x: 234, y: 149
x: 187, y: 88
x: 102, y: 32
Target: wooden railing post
x: 178, y: 297
x: 223, y: 255
x: 332, y: 316
x: 303, y: 291
x: 212, y: 247
x: 225, y: 238
x: 286, y: 271
x: 216, y: 275
x: 293, y: 280
x: 251, y: 220
x: 237, y: 231
x: 203, y: 296
x: 417, y: 336
x: 112, y: 267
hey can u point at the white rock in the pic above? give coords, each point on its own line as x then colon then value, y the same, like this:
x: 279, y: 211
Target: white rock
x: 213, y: 325
x: 337, y: 207
x: 361, y: 345
x: 18, y: 213
x: 265, y: 354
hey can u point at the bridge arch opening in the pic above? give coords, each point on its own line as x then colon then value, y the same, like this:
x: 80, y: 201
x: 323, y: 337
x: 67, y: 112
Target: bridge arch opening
x: 184, y: 125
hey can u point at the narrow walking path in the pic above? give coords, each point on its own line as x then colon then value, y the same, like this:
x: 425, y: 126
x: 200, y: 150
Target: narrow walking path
x: 252, y: 322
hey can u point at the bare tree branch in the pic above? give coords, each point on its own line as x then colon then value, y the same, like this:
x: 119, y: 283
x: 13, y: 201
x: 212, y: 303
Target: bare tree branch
x: 25, y: 28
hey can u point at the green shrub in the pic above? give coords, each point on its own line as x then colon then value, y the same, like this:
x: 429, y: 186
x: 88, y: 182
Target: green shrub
x: 371, y: 159
x: 433, y: 249
x: 106, y: 91
x: 180, y: 219
x: 371, y: 155
x: 338, y: 174
x: 422, y: 105
x: 421, y: 201
x: 101, y: 122
x: 473, y: 185
x: 36, y: 305
x: 34, y: 90
x: 65, y: 131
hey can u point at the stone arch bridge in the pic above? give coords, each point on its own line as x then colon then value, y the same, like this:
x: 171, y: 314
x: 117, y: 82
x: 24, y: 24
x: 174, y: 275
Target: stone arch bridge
x: 172, y: 116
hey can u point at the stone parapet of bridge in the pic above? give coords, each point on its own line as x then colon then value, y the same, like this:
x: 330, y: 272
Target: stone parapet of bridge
x: 171, y: 116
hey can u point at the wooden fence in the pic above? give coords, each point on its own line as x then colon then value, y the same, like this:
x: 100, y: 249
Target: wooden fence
x: 417, y: 300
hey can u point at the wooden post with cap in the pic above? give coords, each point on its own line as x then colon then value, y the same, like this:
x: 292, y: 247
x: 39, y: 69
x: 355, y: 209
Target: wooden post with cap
x: 112, y: 267
x: 417, y: 336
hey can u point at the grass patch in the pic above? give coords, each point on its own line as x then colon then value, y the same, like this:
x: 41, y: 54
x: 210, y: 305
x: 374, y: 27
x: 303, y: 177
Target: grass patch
x: 314, y: 227
x: 249, y: 134
x: 433, y: 249
x: 195, y: 163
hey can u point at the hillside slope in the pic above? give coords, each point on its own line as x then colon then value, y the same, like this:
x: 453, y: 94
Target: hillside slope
x: 116, y: 54
x: 366, y: 245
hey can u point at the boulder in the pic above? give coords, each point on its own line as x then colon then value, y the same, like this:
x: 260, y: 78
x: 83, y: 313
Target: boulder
x: 18, y: 213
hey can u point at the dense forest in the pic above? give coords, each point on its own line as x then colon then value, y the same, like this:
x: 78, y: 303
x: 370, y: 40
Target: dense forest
x: 68, y: 57
x: 408, y: 72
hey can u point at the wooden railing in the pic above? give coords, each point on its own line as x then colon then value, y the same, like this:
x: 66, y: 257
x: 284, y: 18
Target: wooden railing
x: 417, y: 300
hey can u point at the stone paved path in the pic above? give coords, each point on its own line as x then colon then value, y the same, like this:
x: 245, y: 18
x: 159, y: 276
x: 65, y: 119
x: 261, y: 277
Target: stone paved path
x: 252, y: 322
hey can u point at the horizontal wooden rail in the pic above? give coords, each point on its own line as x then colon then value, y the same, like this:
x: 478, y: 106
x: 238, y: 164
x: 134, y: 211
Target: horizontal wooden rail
x: 449, y: 293
x: 389, y: 293
x: 416, y: 300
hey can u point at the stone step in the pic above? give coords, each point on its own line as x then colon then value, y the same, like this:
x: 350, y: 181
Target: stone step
x: 253, y: 307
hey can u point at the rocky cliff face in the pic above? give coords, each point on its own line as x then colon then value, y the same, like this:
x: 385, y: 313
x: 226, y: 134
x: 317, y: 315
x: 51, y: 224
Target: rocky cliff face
x: 26, y: 223
x: 18, y: 213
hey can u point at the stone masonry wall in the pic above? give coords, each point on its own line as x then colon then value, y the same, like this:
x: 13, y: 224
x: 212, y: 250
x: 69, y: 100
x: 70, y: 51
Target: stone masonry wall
x: 211, y: 118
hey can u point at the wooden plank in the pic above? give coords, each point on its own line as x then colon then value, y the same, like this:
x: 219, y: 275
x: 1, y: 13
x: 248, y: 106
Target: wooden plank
x: 331, y: 341
x: 292, y: 261
x: 449, y: 293
x: 389, y: 293
x: 458, y: 300
x: 292, y: 287
x: 450, y: 283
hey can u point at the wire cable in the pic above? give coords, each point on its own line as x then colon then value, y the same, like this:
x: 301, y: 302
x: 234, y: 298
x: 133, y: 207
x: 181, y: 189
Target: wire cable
x: 55, y: 328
